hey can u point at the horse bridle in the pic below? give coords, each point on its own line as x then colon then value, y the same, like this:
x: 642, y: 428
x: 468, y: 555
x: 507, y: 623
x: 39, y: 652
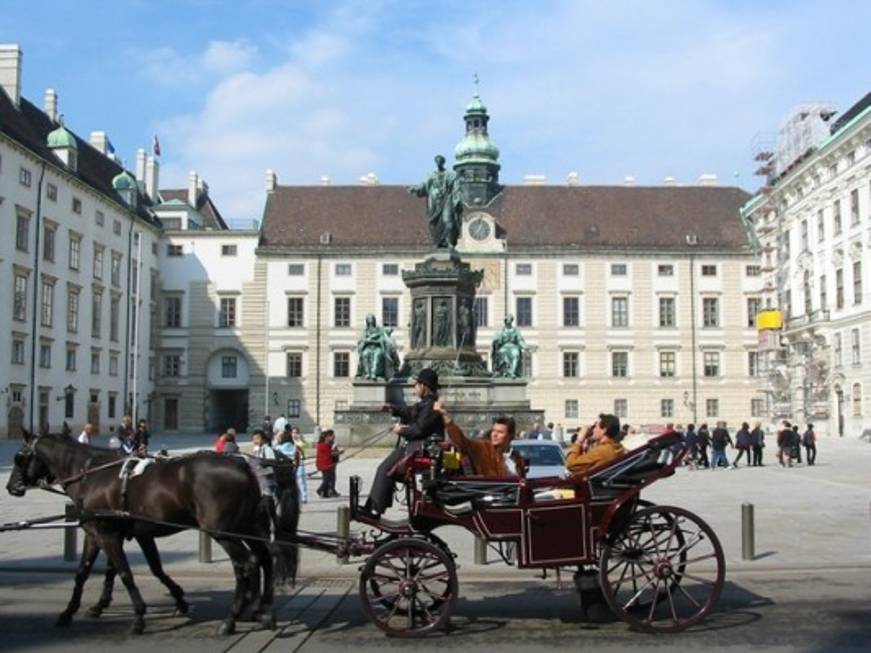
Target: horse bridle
x: 46, y: 483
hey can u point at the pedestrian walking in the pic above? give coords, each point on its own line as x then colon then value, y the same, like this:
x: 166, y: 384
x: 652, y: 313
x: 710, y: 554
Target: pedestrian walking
x: 87, y: 434
x: 784, y: 444
x: 809, y: 441
x: 692, y: 442
x: 720, y: 439
x: 743, y: 440
x: 704, y: 442
x: 795, y: 439
x: 301, y: 477
x: 757, y: 441
x: 326, y: 459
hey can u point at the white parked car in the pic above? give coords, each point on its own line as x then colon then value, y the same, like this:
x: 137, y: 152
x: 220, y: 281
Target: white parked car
x: 544, y: 457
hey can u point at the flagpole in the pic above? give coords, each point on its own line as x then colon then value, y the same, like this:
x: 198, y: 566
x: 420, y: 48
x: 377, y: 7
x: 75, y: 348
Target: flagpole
x: 136, y: 311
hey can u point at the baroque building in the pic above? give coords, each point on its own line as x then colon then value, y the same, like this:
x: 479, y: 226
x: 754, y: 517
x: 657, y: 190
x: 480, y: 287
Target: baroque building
x: 812, y: 228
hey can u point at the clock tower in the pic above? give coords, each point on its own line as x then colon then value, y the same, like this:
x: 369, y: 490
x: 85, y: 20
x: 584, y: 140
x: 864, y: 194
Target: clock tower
x: 477, y: 157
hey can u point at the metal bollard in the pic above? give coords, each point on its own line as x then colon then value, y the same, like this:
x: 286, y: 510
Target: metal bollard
x: 343, y: 531
x: 748, y: 532
x: 205, y: 547
x: 71, y: 534
x: 480, y: 551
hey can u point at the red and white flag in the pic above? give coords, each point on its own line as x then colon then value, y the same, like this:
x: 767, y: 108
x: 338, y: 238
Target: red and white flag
x: 156, y: 146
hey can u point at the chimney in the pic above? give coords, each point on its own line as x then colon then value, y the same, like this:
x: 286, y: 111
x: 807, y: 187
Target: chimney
x: 10, y: 71
x: 369, y: 180
x: 271, y: 181
x: 193, y: 188
x: 140, y: 163
x: 573, y: 179
x: 669, y: 181
x: 152, y: 177
x: 49, y: 104
x: 707, y: 179
x: 534, y: 180
x: 325, y: 181
x: 628, y: 180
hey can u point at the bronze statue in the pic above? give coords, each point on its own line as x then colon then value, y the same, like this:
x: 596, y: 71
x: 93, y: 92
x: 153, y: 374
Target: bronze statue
x: 443, y: 205
x: 375, y: 350
x: 465, y: 325
x: 441, y: 330
x: 507, y: 351
x: 418, y: 325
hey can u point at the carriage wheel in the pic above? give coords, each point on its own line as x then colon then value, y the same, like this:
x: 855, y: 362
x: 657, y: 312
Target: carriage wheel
x: 664, y: 571
x: 409, y: 587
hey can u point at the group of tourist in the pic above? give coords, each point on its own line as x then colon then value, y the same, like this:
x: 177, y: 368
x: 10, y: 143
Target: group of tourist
x: 132, y: 441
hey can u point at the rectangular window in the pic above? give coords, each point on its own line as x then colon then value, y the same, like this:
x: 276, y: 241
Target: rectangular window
x: 71, y: 359
x: 99, y: 218
x: 523, y: 269
x: 72, y: 310
x: 295, y: 312
x: 19, y: 300
x: 824, y: 300
x: 114, y: 318
x: 571, y: 311
x: 294, y: 364
x: 855, y: 347
x: 804, y: 235
x: 821, y: 226
x: 75, y: 251
x: 836, y: 217
x: 174, y: 250
x: 620, y: 363
x: 710, y: 312
x: 754, y: 305
x: 857, y: 282
x: 22, y: 232
x: 666, y: 312
x: 228, y: 250
x: 390, y: 269
x: 390, y: 311
x: 96, y: 313
x: 752, y: 363
x: 294, y: 408
x: 47, y: 304
x: 709, y: 270
x: 98, y: 263
x: 482, y: 317
x: 227, y: 317
x: 621, y: 408
x: 172, y: 312
x: 341, y: 364
x: 116, y: 227
x: 854, y: 207
x: 18, y: 351
x: 77, y: 206
x: 45, y: 355
x: 48, y: 235
x: 757, y: 407
x: 667, y: 364
x: 571, y: 409
x: 712, y: 407
x: 95, y: 362
x: 343, y: 269
x: 712, y: 364
x: 295, y: 269
x: 172, y: 365
x: 113, y: 364
x: 620, y: 311
x: 666, y: 407
x: 112, y: 408
x: 229, y: 367
x: 838, y: 347
x: 524, y: 311
x: 342, y: 312
x: 665, y: 270
x: 570, y: 364
x: 839, y: 288
x: 618, y: 269
x: 571, y: 270
x: 24, y: 177
x: 116, y: 269
x: 69, y: 405
x: 51, y: 192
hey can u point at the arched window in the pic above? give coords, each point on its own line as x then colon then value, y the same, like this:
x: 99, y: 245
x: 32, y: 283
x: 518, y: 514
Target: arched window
x: 857, y: 400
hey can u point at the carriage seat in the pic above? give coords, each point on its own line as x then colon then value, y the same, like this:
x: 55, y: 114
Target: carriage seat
x: 477, y: 493
x: 634, y: 468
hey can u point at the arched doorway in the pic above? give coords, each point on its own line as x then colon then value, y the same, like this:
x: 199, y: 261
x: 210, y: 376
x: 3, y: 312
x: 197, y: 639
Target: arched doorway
x: 227, y: 378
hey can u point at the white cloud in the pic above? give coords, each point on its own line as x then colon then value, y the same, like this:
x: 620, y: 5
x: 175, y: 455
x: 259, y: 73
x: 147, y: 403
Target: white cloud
x: 223, y: 57
x: 168, y: 67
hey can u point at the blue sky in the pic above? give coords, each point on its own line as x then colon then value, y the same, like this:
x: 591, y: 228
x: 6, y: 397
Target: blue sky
x: 647, y: 89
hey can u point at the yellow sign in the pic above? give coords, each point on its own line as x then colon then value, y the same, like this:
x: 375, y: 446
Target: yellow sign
x: 769, y: 320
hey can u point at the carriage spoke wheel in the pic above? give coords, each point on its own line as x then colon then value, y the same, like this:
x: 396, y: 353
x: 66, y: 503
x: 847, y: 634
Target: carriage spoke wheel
x: 409, y: 587
x: 664, y: 571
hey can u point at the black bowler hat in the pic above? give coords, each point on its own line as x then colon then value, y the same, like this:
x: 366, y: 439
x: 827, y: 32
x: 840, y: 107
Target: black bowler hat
x: 429, y: 377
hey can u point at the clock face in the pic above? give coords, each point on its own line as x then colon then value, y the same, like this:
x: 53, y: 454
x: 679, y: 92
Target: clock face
x: 479, y: 229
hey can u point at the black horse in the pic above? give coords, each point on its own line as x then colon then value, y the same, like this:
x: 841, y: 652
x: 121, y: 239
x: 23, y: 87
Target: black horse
x: 218, y: 494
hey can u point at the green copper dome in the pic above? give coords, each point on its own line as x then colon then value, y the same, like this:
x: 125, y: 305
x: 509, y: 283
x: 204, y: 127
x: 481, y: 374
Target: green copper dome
x: 124, y: 181
x: 62, y: 137
x: 476, y: 146
x: 476, y: 106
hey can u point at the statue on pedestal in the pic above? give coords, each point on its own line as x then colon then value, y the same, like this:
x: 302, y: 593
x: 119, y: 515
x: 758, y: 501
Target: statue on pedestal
x: 465, y: 325
x: 418, y: 325
x: 507, y: 351
x: 443, y: 205
x: 376, y: 351
x: 441, y: 329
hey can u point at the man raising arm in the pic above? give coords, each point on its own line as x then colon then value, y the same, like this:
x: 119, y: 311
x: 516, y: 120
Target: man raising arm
x: 489, y: 455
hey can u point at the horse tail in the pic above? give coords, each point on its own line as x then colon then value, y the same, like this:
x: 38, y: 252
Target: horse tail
x: 285, y: 550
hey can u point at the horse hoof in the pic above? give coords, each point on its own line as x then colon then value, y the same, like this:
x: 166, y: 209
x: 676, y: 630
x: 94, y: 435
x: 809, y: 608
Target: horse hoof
x: 226, y: 628
x: 267, y: 621
x: 95, y: 611
x: 63, y: 620
x: 137, y: 628
x: 182, y: 608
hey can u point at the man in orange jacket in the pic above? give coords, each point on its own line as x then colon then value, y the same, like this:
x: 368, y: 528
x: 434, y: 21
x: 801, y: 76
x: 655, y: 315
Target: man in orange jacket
x: 597, y: 446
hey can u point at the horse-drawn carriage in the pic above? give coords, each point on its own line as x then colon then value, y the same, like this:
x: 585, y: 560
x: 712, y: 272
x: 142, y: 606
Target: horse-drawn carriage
x: 660, y: 568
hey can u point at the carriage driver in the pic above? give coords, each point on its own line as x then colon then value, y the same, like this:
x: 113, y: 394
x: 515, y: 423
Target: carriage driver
x: 490, y: 456
x: 417, y: 423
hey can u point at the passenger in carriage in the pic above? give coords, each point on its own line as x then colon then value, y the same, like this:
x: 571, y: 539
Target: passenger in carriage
x: 597, y: 446
x: 489, y: 455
